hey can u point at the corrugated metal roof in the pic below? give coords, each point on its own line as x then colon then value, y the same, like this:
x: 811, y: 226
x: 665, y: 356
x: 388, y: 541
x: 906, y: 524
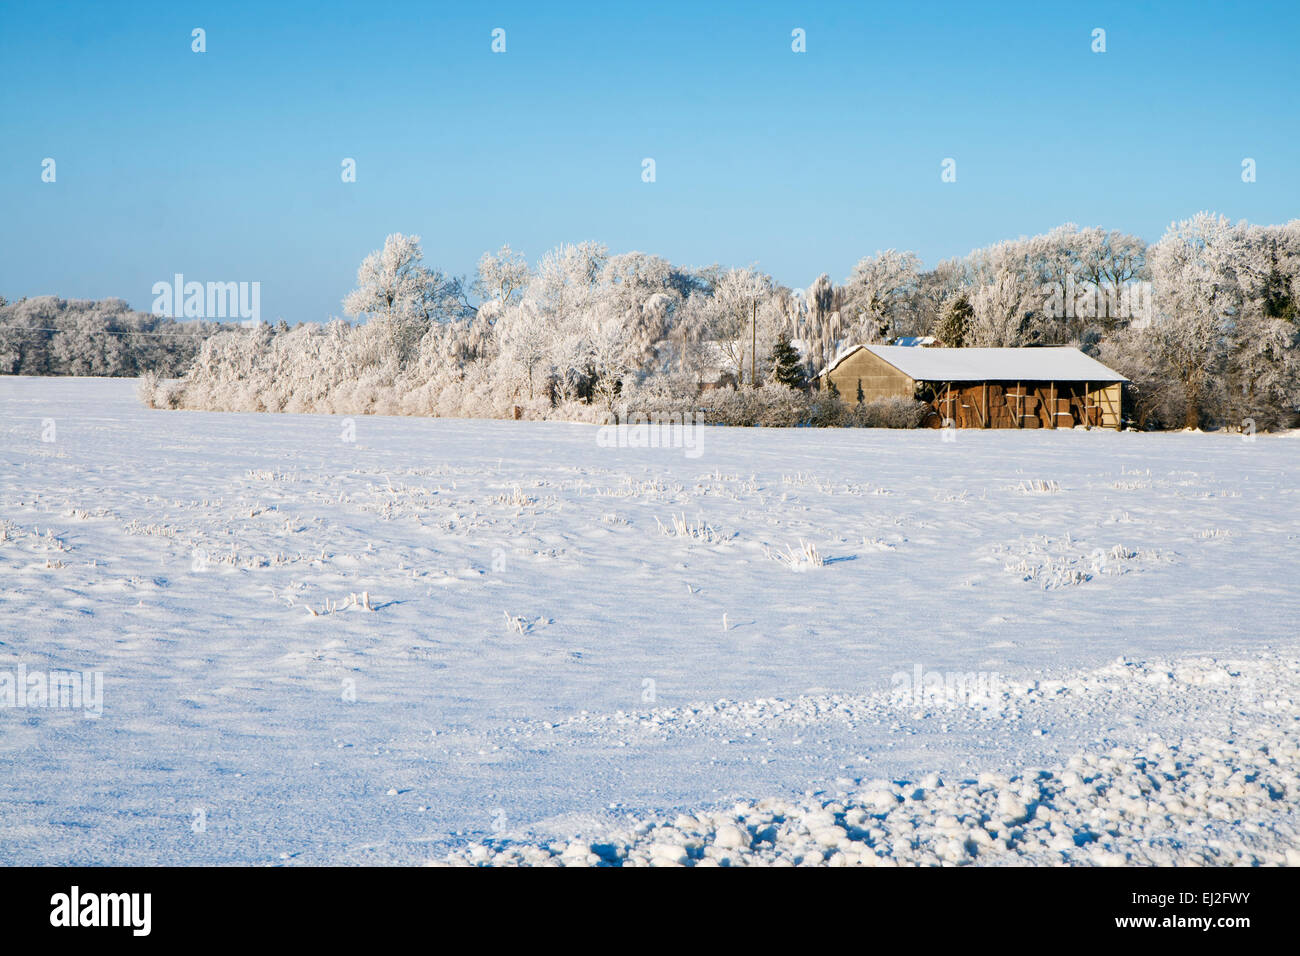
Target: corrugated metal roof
x: 1056, y: 363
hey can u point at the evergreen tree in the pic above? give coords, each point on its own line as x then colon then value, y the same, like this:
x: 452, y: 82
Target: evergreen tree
x: 786, y: 367
x: 954, y: 322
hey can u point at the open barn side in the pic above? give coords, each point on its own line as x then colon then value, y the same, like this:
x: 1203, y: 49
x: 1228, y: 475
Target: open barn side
x: 1023, y: 404
x: 1055, y: 387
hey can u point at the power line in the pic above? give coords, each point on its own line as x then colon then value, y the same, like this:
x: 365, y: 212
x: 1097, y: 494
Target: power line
x: 31, y: 328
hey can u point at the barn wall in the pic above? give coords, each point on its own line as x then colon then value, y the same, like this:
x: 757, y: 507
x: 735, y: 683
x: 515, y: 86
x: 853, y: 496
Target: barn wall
x: 1108, y: 399
x: 879, y: 379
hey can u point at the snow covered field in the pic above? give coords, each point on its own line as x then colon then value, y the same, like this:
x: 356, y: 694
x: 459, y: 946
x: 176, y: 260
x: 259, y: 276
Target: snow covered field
x: 394, y: 640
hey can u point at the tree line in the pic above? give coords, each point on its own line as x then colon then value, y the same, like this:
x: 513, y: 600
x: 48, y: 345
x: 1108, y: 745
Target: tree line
x: 1205, y: 322
x: 47, y: 335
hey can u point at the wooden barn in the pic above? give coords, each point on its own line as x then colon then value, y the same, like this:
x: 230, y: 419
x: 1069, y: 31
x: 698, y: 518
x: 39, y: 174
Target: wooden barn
x: 985, y: 388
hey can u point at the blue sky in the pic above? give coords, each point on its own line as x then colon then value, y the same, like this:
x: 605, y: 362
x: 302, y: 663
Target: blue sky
x: 225, y: 165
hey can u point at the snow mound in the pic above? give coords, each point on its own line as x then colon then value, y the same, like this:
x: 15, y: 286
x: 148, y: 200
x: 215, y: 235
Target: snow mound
x: 1227, y: 797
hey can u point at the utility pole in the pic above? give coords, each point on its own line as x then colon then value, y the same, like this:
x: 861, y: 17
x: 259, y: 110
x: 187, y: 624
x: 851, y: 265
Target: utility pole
x: 753, y: 346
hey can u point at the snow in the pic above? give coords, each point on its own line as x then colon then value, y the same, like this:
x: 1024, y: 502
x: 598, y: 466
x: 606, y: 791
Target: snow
x: 1200, y: 800
x: 489, y: 641
x: 1061, y: 364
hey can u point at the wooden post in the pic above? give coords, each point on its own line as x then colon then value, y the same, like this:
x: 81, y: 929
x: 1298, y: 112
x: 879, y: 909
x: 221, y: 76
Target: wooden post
x: 986, y: 404
x: 753, y: 348
x: 1020, y: 406
x: 1053, y: 409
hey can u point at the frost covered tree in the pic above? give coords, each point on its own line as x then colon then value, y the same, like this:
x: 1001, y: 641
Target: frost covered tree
x: 1008, y: 296
x: 880, y: 295
x: 1216, y: 352
x: 47, y: 335
x: 402, y: 297
x: 525, y: 338
x: 1262, y: 378
x: 502, y: 277
x: 1000, y: 310
x: 567, y: 277
x: 692, y: 353
x: 935, y: 289
x: 822, y: 335
x: 1111, y: 261
x: 609, y: 356
x: 1085, y: 273
x: 1262, y: 374
x: 1196, y: 298
x: 737, y: 299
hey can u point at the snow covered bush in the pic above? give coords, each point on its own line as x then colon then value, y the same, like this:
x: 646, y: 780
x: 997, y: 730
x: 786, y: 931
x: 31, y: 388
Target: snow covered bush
x: 775, y: 406
x: 887, y: 413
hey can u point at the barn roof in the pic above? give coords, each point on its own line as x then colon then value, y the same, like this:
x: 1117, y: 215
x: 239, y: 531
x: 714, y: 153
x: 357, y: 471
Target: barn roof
x: 1057, y: 363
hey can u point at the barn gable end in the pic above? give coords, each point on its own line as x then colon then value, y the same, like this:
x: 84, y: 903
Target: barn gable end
x: 878, y: 378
